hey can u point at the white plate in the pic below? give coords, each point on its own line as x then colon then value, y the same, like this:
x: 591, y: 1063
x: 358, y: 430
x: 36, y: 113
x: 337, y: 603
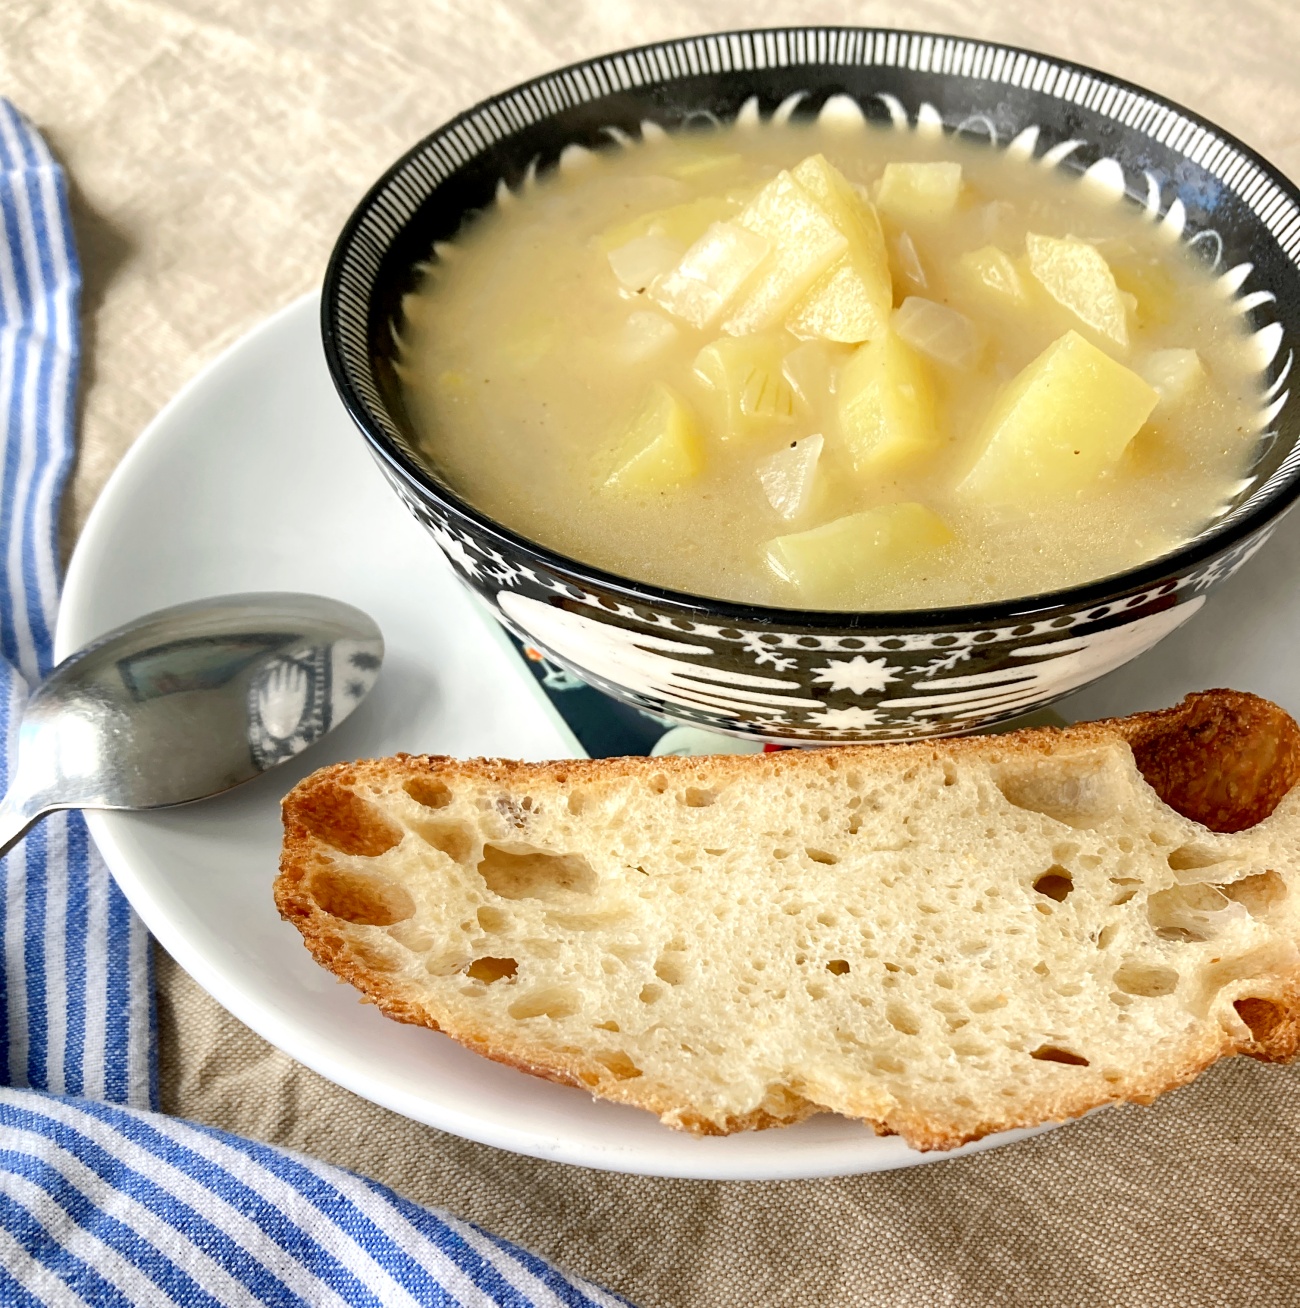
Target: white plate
x: 253, y: 478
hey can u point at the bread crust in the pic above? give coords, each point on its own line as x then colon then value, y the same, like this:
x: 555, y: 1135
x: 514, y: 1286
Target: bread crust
x: 1222, y: 758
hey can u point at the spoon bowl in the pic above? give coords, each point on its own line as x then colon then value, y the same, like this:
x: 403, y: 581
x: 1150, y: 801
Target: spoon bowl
x: 189, y: 702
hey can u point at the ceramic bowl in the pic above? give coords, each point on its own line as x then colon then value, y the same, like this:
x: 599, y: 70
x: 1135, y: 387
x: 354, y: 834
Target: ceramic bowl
x: 792, y: 675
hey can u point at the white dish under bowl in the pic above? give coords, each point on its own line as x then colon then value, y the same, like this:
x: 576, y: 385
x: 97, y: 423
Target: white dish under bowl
x: 254, y: 479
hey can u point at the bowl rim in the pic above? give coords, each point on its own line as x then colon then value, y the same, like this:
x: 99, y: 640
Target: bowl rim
x: 1103, y: 590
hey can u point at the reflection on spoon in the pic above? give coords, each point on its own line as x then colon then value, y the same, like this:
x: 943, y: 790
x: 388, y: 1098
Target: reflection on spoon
x: 188, y: 702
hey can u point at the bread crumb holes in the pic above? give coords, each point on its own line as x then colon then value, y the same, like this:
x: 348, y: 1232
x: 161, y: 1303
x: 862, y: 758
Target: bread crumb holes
x: 620, y: 1064
x: 1054, y: 1054
x: 489, y: 969
x: 340, y: 818
x: 1259, y: 894
x: 698, y: 797
x: 1145, y: 980
x: 360, y: 898
x: 1188, y: 857
x: 452, y: 838
x: 523, y: 872
x: 671, y: 971
x: 429, y: 791
x: 492, y: 919
x: 1262, y: 1016
x: 553, y: 1002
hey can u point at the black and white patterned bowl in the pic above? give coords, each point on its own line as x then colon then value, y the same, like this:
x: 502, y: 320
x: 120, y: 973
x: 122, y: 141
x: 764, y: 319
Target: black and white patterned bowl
x: 818, y: 676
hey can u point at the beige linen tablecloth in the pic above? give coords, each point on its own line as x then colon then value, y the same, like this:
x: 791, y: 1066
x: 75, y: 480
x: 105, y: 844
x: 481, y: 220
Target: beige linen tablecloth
x: 214, y: 150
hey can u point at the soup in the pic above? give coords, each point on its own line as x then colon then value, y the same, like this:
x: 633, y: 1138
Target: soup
x: 811, y: 367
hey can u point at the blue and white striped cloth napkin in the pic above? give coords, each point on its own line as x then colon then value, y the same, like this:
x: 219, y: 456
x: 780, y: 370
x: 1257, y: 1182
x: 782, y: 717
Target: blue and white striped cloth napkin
x: 76, y: 1012
x: 102, y: 1200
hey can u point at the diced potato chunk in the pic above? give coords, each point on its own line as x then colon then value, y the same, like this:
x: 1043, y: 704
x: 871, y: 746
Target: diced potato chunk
x: 684, y: 223
x: 661, y: 448
x: 1076, y: 276
x: 924, y: 191
x: 1063, y: 420
x: 789, y: 477
x: 992, y: 271
x: 851, y: 300
x: 826, y: 185
x: 749, y: 390
x: 711, y: 272
x: 1174, y: 374
x: 805, y: 243
x: 886, y: 406
x: 641, y: 260
x: 841, y: 306
x: 938, y: 332
x: 833, y: 560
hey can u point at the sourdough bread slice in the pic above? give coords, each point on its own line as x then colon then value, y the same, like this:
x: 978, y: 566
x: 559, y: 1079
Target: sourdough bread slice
x: 942, y: 939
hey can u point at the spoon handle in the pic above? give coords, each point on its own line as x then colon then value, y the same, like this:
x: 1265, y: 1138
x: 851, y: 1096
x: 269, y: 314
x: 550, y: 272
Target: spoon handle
x: 15, y: 819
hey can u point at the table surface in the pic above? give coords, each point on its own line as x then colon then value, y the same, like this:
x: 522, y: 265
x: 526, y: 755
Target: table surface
x: 214, y: 150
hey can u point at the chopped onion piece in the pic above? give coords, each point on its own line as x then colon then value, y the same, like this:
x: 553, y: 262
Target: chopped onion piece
x: 938, y: 331
x: 711, y: 272
x: 808, y: 370
x: 908, y: 262
x: 789, y: 476
x: 644, y: 335
x: 640, y: 261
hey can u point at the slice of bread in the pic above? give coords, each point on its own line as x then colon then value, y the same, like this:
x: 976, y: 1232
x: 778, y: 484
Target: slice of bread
x: 942, y: 939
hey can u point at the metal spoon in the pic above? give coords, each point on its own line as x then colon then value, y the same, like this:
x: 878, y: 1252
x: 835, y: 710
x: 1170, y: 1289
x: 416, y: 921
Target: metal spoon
x: 188, y: 702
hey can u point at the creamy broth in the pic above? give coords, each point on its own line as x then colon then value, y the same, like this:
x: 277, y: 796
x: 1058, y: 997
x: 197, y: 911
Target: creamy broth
x: 531, y: 355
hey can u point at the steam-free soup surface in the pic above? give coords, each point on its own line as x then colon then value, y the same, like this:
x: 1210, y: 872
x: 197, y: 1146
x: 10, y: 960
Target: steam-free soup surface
x: 786, y: 365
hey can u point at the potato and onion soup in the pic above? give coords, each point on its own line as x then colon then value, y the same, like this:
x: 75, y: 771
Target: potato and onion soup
x: 823, y: 367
